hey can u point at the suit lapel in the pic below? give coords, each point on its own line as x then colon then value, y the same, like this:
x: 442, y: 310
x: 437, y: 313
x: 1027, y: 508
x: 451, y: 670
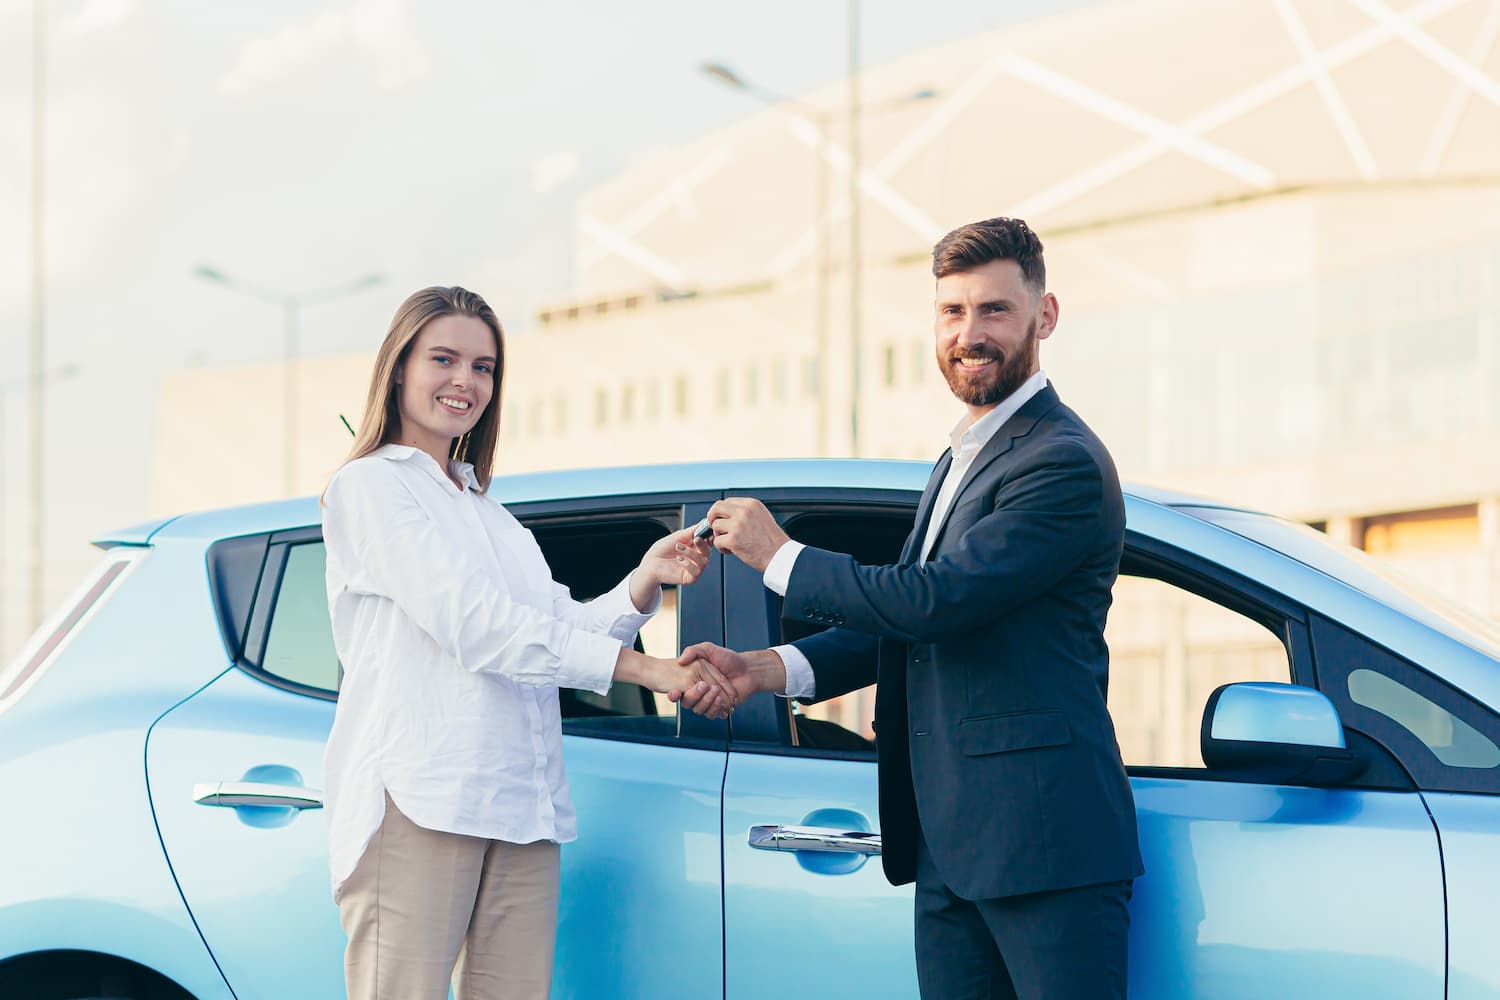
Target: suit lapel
x: 924, y: 508
x: 1017, y: 427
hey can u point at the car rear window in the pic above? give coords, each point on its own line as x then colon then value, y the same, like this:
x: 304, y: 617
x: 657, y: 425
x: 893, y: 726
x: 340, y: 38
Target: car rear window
x: 41, y: 650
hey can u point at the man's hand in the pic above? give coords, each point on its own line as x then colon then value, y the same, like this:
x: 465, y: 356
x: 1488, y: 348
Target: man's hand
x: 716, y: 694
x: 744, y: 674
x: 743, y: 527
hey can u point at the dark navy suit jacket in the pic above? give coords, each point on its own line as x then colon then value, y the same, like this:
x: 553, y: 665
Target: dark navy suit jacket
x: 990, y: 716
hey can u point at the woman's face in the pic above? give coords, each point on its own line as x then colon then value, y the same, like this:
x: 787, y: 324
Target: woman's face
x: 445, y: 383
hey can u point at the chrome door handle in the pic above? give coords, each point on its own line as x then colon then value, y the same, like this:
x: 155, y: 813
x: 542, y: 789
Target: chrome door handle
x: 256, y: 793
x: 813, y: 838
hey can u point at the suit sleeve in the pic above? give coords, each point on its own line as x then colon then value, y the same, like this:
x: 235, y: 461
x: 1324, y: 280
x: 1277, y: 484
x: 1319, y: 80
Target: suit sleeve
x: 1045, y: 521
x: 842, y: 661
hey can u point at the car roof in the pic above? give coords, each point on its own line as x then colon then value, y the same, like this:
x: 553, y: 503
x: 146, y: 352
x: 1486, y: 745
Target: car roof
x: 695, y: 477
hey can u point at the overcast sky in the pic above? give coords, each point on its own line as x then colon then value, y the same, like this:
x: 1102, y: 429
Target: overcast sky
x: 302, y: 145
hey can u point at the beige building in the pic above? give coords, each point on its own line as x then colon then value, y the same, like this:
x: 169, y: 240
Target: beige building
x: 1274, y: 228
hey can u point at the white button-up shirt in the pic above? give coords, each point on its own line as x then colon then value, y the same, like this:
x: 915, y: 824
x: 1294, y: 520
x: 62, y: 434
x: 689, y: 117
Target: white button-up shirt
x: 966, y: 440
x: 454, y: 639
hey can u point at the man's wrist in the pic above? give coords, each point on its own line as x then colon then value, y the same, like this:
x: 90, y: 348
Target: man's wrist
x: 767, y: 669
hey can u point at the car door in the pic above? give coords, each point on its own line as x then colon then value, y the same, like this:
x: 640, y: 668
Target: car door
x: 838, y: 928
x: 1256, y: 889
x: 235, y: 774
x: 1251, y: 890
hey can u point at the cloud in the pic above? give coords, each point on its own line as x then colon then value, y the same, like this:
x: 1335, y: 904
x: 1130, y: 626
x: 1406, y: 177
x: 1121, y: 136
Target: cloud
x: 97, y: 15
x: 553, y: 171
x: 375, y: 28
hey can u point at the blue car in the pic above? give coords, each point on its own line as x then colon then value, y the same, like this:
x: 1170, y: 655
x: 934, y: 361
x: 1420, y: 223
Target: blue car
x: 1315, y: 753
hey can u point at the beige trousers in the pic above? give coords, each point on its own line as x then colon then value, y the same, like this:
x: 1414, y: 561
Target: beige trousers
x: 423, y: 908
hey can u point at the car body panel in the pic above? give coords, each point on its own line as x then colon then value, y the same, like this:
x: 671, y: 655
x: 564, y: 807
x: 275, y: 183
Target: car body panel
x: 72, y: 767
x: 255, y: 873
x: 1256, y: 890
x: 1468, y: 825
x: 849, y: 931
x: 641, y: 888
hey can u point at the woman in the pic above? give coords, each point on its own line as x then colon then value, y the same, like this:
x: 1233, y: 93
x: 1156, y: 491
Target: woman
x: 443, y: 777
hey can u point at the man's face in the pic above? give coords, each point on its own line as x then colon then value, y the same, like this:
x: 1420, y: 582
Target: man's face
x: 988, y: 325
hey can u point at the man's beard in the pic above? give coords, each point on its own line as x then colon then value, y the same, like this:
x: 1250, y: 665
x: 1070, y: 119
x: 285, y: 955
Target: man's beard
x: 1000, y: 381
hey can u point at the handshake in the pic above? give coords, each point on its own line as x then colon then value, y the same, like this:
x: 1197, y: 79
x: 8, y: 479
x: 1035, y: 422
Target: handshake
x: 707, y: 678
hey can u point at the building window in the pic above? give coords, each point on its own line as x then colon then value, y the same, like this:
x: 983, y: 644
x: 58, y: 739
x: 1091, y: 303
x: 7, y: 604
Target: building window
x: 752, y: 385
x: 921, y: 360
x: 560, y: 413
x: 811, y: 377
x: 627, y: 403
x: 680, y: 396
x: 601, y: 407
x: 778, y: 380
x: 721, y: 390
x: 653, y: 399
x: 890, y: 365
x: 1442, y: 530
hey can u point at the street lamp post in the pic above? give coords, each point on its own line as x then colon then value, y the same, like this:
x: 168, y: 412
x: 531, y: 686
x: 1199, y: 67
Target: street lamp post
x: 38, y: 295
x: 6, y: 388
x: 290, y: 304
x: 821, y: 122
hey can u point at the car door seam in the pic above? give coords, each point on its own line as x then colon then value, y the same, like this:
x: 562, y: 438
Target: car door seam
x: 160, y: 839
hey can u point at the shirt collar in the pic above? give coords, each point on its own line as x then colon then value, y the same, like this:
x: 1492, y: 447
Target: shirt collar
x: 977, y: 434
x: 424, y: 461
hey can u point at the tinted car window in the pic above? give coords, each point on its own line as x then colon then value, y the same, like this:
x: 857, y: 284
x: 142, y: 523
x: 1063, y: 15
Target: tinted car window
x: 1451, y: 740
x: 299, y: 638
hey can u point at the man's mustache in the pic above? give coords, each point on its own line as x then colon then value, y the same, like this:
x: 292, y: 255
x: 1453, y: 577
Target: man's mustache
x: 954, y: 357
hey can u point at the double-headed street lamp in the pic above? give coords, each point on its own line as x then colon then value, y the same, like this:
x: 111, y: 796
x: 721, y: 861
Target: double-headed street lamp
x: 821, y: 121
x: 290, y: 303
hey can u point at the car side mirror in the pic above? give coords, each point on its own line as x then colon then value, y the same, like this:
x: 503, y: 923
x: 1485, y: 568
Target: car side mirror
x: 1281, y: 734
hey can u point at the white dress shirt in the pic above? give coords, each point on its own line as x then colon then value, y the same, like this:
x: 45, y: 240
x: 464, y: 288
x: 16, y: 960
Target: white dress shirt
x: 454, y: 639
x: 966, y: 439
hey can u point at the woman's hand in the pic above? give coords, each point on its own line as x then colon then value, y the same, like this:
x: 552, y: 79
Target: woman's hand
x: 675, y: 560
x: 662, y: 676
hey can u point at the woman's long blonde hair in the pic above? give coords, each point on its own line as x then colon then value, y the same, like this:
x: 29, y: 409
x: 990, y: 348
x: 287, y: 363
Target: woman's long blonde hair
x: 382, y: 419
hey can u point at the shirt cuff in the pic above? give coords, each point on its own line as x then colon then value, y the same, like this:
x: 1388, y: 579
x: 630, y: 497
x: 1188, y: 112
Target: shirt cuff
x: 800, y: 682
x: 625, y: 620
x: 778, y: 575
x: 588, y: 661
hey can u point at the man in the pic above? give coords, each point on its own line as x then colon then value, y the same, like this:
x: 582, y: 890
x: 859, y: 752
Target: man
x: 1002, y: 793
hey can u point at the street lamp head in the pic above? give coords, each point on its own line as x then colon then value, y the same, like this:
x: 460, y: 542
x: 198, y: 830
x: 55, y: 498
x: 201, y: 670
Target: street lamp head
x: 370, y: 281
x: 211, y: 274
x: 724, y: 75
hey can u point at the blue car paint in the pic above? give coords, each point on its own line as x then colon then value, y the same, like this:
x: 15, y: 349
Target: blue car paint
x: 792, y: 930
x: 1470, y: 826
x: 1255, y: 891
x: 641, y: 889
x: 250, y: 874
x: 1250, y: 889
x: 85, y: 869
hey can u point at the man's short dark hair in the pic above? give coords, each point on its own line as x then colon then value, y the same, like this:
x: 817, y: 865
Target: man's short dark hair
x: 978, y: 243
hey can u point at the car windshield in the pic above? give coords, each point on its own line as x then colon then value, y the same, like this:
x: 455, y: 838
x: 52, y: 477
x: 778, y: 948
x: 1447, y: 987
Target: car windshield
x: 1351, y: 566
